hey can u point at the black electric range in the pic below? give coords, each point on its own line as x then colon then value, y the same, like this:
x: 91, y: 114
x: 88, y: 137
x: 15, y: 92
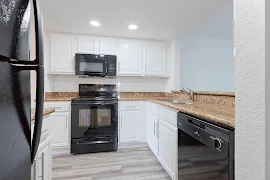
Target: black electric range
x: 94, y: 119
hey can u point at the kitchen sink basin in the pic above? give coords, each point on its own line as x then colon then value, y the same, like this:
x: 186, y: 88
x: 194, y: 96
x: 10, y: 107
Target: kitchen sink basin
x: 174, y: 101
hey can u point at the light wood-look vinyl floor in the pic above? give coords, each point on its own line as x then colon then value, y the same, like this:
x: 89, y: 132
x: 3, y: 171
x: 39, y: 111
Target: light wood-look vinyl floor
x: 125, y: 164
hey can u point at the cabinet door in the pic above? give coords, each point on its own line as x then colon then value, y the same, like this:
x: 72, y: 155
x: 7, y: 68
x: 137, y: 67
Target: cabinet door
x: 86, y: 44
x: 129, y: 57
x: 168, y: 147
x: 36, y: 169
x: 42, y: 165
x: 63, y: 49
x: 58, y: 126
x: 129, y: 126
x: 107, y: 46
x: 154, y: 54
x: 152, y: 136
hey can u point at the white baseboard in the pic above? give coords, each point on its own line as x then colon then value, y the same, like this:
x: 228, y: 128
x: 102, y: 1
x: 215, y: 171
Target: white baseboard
x: 132, y: 145
x: 60, y: 151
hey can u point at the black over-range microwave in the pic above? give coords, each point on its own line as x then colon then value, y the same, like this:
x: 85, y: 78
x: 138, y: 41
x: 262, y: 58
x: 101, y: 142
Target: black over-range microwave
x: 95, y: 65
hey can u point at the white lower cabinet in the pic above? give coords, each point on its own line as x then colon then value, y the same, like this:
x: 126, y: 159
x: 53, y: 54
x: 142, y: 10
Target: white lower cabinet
x: 42, y: 166
x: 162, y: 136
x: 59, y: 129
x: 132, y: 121
x: 152, y: 136
x: 59, y: 126
x: 167, y: 146
x: 129, y: 126
x: 43, y: 162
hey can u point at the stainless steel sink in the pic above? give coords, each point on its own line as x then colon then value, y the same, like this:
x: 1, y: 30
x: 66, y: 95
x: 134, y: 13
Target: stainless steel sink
x: 174, y: 101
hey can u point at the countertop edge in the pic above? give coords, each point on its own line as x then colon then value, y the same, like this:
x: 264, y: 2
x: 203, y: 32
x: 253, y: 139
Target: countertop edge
x: 46, y: 112
x: 213, y: 93
x: 218, y: 120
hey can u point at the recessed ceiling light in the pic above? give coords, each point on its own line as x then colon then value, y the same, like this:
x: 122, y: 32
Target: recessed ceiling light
x: 95, y: 23
x: 133, y: 27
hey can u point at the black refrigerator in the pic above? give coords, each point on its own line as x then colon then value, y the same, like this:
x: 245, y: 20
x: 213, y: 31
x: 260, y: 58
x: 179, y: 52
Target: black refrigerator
x: 17, y: 150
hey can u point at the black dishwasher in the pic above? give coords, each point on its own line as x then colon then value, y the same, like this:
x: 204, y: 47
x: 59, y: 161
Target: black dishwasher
x: 205, y: 150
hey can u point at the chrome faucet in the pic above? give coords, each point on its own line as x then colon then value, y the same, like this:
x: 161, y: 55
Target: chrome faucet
x: 189, y: 93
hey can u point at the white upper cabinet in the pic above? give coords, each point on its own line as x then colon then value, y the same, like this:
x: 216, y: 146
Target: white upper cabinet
x: 86, y: 44
x: 107, y: 46
x: 154, y: 55
x: 129, y: 57
x: 96, y: 45
x: 134, y: 57
x: 63, y: 49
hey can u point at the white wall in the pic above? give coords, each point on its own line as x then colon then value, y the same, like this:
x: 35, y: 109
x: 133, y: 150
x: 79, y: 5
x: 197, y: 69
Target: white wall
x: 173, y: 59
x: 218, y: 24
x: 69, y: 83
x: 207, y: 64
x: 251, y: 83
x: 207, y: 59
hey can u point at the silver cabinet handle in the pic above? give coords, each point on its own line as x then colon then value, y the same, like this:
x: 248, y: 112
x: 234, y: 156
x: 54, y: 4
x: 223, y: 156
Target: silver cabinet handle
x: 66, y: 124
x: 121, y: 123
x: 157, y: 130
x: 154, y: 128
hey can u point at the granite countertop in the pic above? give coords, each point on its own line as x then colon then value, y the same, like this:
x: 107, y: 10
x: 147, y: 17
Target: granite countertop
x: 46, y: 111
x: 53, y: 99
x: 218, y: 113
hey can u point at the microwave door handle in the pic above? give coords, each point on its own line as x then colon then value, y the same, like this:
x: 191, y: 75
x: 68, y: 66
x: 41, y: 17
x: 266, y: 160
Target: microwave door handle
x: 94, y: 74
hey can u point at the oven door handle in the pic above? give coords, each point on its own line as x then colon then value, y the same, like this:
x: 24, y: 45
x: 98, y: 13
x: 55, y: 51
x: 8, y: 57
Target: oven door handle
x: 95, y: 103
x: 94, y: 142
x: 107, y: 103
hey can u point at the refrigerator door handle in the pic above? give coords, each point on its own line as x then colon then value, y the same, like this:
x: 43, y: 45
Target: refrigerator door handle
x: 39, y: 111
x: 39, y: 104
x: 40, y: 80
x: 39, y: 39
x: 39, y: 34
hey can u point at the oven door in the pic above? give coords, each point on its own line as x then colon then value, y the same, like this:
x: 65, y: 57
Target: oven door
x: 94, y: 120
x: 90, y: 65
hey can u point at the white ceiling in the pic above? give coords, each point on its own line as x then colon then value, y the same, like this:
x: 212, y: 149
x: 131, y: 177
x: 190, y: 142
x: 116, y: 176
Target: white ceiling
x: 157, y: 19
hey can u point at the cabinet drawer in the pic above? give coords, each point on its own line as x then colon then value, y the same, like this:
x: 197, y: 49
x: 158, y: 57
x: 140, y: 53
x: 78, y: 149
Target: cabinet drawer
x: 130, y: 105
x: 58, y: 106
x: 168, y: 115
x: 152, y: 108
